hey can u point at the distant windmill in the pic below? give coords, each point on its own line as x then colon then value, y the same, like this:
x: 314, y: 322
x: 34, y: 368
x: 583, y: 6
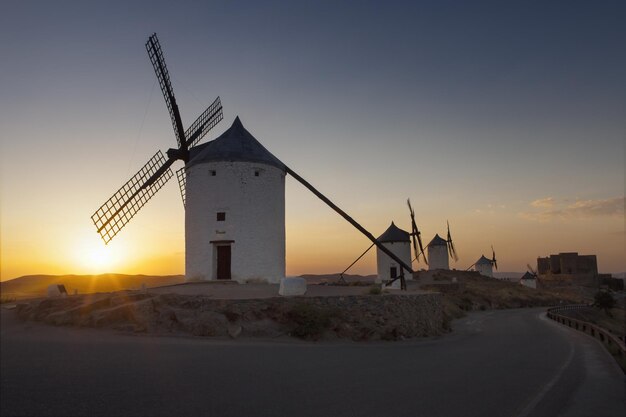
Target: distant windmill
x: 485, y: 265
x: 531, y: 272
x: 399, y: 242
x: 233, y: 191
x: 440, y: 250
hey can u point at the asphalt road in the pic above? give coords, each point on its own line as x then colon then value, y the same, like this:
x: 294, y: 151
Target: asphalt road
x: 503, y: 363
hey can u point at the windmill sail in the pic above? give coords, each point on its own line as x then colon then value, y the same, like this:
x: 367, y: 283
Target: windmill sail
x: 113, y: 215
x: 205, y: 122
x: 182, y: 183
x: 158, y: 62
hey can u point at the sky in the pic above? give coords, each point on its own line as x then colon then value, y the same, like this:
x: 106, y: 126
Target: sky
x: 506, y: 118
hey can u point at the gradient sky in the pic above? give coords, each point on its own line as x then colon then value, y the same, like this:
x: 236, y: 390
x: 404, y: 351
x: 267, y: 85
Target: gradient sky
x: 507, y: 118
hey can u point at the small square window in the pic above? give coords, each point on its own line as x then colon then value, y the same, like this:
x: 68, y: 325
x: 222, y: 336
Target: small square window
x: 257, y: 173
x: 221, y: 216
x: 213, y: 173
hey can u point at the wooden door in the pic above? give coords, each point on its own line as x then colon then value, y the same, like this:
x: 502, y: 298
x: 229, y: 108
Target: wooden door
x: 393, y: 272
x: 223, y: 262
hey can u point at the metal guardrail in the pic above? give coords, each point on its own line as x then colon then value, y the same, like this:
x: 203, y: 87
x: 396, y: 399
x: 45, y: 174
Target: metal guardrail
x: 607, y: 338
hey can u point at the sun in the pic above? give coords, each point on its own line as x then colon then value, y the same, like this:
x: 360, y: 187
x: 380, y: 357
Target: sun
x: 94, y: 257
x: 100, y: 257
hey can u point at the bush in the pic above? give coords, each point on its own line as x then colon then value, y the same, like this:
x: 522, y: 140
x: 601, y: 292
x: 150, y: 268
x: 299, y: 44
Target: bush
x: 375, y: 290
x: 604, y: 300
x: 310, y: 322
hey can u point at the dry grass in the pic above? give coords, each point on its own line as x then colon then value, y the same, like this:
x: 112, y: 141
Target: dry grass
x: 476, y: 293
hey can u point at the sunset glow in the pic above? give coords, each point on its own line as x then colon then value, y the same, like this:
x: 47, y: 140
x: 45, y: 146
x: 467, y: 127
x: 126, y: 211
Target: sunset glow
x: 515, y: 136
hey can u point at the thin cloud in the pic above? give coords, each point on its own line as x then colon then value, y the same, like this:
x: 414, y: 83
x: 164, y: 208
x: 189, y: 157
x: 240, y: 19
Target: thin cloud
x: 581, y: 209
x: 547, y: 202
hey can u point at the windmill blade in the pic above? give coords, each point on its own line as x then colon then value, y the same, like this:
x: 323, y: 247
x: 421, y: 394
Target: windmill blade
x: 451, y: 248
x: 493, y: 258
x: 158, y: 62
x: 113, y: 215
x: 415, y: 234
x: 530, y: 268
x: 205, y: 122
x: 182, y: 183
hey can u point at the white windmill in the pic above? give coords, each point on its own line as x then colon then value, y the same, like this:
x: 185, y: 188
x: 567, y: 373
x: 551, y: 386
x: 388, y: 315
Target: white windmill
x: 234, y: 192
x: 439, y: 252
x: 234, y: 210
x: 399, y: 242
x: 485, y: 266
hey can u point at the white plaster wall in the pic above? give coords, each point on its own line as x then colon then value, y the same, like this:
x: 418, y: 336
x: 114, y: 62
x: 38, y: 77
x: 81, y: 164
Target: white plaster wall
x: 384, y: 263
x: 530, y: 283
x: 255, y: 220
x: 438, y: 257
x: 485, y: 269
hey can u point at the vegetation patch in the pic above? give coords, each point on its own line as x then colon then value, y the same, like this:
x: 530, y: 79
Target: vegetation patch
x: 309, y: 321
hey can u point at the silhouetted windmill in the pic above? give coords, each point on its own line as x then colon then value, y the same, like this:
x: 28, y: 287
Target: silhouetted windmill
x: 117, y: 211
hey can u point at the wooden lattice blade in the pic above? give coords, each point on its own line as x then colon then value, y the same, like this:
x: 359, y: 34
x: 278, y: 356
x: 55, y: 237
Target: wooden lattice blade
x: 181, y: 174
x: 117, y: 211
x: 158, y: 62
x: 207, y: 120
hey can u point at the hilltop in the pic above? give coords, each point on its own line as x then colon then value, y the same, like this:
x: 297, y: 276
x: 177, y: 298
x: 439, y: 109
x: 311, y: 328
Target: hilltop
x: 36, y: 285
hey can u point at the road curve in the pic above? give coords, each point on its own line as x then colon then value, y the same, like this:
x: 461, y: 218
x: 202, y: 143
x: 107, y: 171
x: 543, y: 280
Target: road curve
x: 499, y: 363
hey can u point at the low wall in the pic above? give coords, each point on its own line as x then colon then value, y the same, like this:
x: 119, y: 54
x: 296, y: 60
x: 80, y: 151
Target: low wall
x: 356, y: 317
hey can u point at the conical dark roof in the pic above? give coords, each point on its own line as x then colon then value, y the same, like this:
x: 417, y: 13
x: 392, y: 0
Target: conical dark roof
x: 483, y: 260
x: 528, y: 275
x: 438, y: 241
x: 394, y: 234
x: 236, y: 144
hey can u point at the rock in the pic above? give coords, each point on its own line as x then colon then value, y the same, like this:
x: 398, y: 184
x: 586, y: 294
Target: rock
x: 292, y: 286
x: 56, y: 290
x: 234, y: 330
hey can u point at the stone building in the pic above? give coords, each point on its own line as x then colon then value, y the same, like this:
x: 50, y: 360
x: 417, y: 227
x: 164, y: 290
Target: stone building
x: 568, y: 268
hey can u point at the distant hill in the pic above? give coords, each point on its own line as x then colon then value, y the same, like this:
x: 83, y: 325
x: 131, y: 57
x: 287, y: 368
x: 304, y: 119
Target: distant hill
x: 37, y: 285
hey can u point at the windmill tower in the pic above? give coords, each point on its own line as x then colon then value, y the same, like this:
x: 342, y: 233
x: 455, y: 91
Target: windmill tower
x: 438, y: 254
x: 235, y: 196
x: 234, y: 210
x: 399, y: 242
x: 439, y: 251
x: 484, y: 266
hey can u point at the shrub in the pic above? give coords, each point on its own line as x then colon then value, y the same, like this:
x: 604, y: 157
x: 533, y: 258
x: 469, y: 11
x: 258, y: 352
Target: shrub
x: 310, y: 322
x: 604, y: 300
x: 375, y: 290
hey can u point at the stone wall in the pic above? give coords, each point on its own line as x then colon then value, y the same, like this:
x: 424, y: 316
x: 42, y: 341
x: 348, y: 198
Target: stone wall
x: 359, y: 317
